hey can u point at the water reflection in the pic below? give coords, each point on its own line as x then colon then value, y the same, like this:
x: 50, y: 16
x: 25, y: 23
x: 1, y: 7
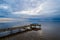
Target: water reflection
x: 12, y: 24
x: 49, y: 31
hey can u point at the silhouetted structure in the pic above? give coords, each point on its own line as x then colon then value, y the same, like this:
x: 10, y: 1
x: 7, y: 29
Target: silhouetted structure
x: 21, y: 29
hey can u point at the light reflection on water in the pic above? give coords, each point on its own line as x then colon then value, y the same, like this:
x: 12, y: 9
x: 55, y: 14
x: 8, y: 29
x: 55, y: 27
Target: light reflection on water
x: 49, y: 30
x: 12, y: 24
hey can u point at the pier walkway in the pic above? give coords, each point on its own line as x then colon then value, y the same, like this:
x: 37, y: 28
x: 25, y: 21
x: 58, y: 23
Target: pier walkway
x: 15, y: 30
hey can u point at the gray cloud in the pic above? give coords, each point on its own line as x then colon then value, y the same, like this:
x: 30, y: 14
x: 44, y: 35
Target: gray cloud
x: 50, y: 8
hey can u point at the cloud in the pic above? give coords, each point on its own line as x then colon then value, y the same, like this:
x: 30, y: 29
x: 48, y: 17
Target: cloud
x: 50, y: 7
x: 33, y: 11
x: 32, y: 6
x: 7, y: 19
x: 24, y: 4
x: 5, y: 10
x: 35, y: 8
x: 3, y: 6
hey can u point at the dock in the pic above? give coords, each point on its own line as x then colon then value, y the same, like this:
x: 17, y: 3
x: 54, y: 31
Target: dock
x: 21, y: 29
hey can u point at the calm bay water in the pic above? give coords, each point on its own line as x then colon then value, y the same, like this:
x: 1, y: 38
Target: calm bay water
x: 49, y: 30
x: 12, y: 24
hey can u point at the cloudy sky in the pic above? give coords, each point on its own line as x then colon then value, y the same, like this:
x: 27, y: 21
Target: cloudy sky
x: 30, y: 10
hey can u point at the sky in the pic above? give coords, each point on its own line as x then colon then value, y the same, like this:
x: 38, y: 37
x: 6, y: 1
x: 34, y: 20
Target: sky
x: 29, y: 10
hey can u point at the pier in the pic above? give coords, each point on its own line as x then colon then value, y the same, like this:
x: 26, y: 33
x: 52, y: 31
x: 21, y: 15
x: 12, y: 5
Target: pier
x: 21, y: 29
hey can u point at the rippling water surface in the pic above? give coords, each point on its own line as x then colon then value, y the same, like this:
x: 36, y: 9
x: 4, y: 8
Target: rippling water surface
x: 49, y: 30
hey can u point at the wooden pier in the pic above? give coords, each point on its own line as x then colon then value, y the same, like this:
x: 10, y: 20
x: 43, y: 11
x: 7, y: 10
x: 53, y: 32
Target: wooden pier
x: 15, y: 30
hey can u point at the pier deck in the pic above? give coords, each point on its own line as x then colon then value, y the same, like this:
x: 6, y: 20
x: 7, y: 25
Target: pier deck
x: 11, y: 31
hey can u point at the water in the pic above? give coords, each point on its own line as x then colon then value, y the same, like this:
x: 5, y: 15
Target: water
x: 13, y: 24
x: 49, y: 30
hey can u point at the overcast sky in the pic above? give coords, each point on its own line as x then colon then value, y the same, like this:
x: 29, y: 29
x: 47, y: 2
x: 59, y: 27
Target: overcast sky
x: 30, y: 9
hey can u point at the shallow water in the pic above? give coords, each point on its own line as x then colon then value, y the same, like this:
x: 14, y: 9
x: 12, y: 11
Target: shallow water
x: 49, y: 31
x: 12, y: 24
